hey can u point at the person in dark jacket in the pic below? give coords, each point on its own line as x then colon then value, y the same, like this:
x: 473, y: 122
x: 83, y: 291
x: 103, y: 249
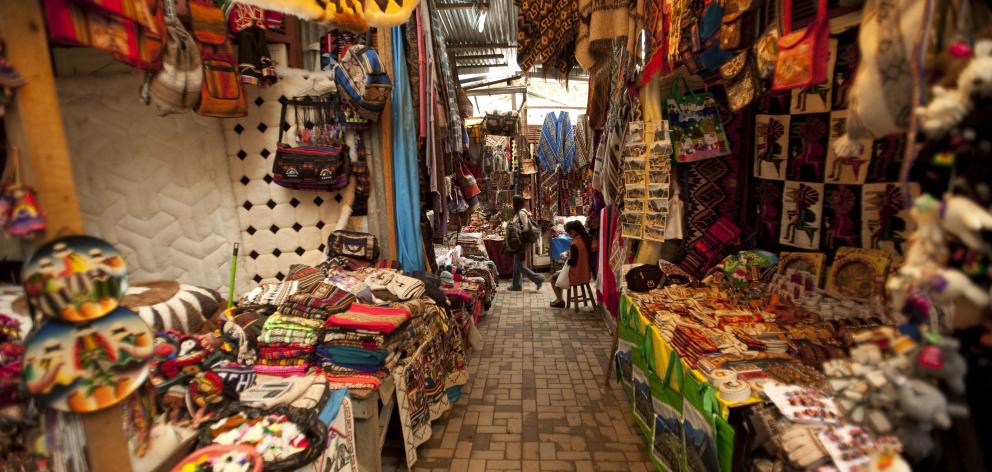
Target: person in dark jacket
x: 521, y: 217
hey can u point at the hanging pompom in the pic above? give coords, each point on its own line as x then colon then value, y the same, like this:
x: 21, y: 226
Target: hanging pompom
x: 844, y: 146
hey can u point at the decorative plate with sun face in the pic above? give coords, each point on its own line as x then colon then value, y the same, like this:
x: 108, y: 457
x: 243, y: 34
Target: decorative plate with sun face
x: 858, y: 273
x: 83, y: 367
x: 76, y: 278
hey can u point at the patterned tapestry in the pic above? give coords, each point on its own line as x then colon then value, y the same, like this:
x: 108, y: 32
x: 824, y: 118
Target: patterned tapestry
x: 424, y: 378
x: 710, y: 186
x: 809, y: 198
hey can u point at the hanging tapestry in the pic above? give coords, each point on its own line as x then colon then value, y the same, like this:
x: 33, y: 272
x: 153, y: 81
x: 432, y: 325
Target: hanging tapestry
x: 710, y: 186
x: 546, y: 34
x: 850, y: 169
x: 557, y: 144
x: 770, y: 143
x: 802, y: 214
x: 811, y: 198
x: 422, y: 380
x: 840, y: 209
x: 883, y: 216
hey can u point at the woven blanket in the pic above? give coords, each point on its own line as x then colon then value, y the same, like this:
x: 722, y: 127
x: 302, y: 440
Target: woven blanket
x: 369, y: 318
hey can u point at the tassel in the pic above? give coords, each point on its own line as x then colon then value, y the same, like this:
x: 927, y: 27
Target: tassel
x: 844, y: 146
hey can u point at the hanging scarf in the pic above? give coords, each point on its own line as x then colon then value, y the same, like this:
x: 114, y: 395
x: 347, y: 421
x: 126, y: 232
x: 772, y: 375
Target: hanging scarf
x: 405, y: 179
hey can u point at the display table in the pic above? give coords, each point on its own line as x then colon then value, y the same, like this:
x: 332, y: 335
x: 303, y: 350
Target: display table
x: 373, y: 409
x: 503, y: 261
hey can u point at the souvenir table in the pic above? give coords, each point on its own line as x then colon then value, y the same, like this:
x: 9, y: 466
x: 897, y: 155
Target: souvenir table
x: 466, y: 299
x: 735, y: 349
x: 373, y: 410
x: 504, y: 262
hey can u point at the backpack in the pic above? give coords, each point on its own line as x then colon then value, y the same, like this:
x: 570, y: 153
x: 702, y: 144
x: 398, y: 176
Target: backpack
x: 512, y: 242
x: 532, y: 234
x: 176, y: 88
x: 362, y: 81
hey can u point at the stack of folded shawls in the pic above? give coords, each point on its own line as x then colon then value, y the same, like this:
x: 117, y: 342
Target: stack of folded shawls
x: 363, y: 343
x: 286, y: 344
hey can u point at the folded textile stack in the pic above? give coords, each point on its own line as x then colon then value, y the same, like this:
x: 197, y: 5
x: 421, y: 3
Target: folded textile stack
x: 362, y: 344
x: 471, y: 244
x: 286, y: 344
x: 322, y: 301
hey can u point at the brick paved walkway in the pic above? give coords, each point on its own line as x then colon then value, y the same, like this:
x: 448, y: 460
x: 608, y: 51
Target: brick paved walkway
x: 536, y: 398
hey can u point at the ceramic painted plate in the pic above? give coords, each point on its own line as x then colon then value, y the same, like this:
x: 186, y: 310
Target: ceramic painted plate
x: 89, y: 366
x: 76, y: 278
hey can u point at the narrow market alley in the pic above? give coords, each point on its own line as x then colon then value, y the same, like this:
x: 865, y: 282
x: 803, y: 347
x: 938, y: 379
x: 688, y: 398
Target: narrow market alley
x: 537, y: 400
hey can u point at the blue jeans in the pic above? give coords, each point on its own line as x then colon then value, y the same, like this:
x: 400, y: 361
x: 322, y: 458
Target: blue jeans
x: 520, y: 269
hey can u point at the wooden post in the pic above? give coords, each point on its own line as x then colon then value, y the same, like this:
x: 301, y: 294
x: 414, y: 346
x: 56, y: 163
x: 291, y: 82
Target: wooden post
x: 384, y: 41
x: 36, y: 123
x: 45, y: 151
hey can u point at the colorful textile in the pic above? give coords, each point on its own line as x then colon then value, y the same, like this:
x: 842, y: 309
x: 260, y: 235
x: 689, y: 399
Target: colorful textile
x: 284, y: 335
x: 369, y: 318
x: 557, y: 144
x: 307, y: 276
x: 279, y: 320
x: 406, y: 182
x: 273, y: 353
x: 546, y: 32
x: 348, y: 356
x: 126, y: 29
x: 808, y: 196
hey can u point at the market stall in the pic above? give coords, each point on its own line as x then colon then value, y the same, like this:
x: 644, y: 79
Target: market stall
x: 318, y: 154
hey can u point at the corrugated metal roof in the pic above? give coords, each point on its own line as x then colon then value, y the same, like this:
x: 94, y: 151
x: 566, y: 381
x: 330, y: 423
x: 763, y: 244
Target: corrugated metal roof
x: 464, y: 39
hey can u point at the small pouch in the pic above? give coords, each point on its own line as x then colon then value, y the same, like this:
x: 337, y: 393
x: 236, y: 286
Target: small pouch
x: 766, y: 51
x: 803, y: 55
x: 209, y: 25
x: 740, y: 80
x: 738, y: 23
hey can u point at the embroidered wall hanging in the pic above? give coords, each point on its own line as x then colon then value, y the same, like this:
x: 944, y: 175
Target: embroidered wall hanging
x: 802, y: 215
x: 810, y: 198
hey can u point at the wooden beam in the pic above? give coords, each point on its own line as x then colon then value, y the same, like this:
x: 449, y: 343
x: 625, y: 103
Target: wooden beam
x: 505, y: 80
x: 38, y: 121
x: 384, y: 38
x: 478, y: 57
x: 470, y: 46
x: 478, y: 68
x: 513, y: 89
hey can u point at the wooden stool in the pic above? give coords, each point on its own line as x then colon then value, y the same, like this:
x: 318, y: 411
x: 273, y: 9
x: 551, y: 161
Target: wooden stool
x: 580, y: 294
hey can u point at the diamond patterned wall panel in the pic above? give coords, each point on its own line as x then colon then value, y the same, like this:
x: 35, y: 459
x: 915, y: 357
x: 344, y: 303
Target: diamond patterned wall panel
x: 279, y: 226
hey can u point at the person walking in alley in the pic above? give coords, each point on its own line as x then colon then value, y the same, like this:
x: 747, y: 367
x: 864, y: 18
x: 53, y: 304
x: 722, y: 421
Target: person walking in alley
x: 520, y: 234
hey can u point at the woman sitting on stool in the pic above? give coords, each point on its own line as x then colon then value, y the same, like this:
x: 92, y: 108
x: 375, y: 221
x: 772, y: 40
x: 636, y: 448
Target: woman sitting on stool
x: 578, y: 265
